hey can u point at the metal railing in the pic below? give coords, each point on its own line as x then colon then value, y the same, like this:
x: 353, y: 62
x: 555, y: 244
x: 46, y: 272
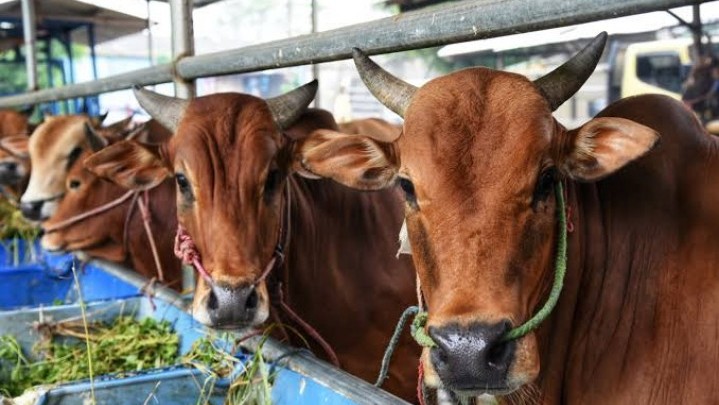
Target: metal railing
x: 443, y: 24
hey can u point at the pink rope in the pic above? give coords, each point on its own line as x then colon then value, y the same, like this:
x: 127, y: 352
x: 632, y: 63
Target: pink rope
x: 309, y: 330
x: 186, y: 250
x: 144, y: 203
x: 87, y: 214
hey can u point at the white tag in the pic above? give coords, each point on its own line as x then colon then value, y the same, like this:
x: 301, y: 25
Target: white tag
x: 404, y: 247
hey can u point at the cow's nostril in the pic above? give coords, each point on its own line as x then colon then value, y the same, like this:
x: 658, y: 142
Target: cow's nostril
x: 499, y: 355
x: 212, y: 302
x: 252, y: 300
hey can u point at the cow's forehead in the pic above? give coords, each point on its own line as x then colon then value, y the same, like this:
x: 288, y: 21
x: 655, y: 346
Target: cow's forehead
x: 57, y: 134
x: 222, y: 130
x: 475, y: 119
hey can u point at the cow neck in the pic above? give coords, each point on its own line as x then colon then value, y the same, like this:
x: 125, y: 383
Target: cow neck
x: 283, y: 243
x: 142, y: 202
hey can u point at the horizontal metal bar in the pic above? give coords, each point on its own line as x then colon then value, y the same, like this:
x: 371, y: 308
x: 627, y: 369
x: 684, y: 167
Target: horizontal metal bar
x: 443, y: 24
x: 303, y: 362
x: 135, y: 279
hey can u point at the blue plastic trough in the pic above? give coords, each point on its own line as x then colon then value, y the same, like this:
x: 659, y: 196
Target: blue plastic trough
x: 41, y: 279
x: 304, y: 380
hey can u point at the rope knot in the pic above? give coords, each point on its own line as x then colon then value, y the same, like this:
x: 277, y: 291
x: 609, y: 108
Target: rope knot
x: 186, y: 250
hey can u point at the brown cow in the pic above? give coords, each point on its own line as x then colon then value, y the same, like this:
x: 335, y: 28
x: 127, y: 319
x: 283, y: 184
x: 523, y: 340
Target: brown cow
x: 14, y: 166
x: 14, y: 158
x: 231, y: 157
x: 13, y: 123
x: 54, y: 146
x: 479, y: 160
x: 116, y: 234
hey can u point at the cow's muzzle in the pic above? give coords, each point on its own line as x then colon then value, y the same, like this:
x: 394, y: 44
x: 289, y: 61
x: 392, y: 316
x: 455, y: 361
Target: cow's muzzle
x: 232, y: 307
x: 474, y: 358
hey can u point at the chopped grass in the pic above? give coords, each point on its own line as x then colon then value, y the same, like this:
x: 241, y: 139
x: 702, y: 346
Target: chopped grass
x: 14, y: 227
x: 125, y: 346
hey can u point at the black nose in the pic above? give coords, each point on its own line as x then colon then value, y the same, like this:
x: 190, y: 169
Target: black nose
x: 232, y: 306
x: 8, y: 166
x: 32, y: 210
x: 474, y: 357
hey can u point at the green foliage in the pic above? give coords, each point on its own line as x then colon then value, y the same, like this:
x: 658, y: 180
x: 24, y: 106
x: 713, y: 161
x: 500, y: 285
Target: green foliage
x: 126, y: 345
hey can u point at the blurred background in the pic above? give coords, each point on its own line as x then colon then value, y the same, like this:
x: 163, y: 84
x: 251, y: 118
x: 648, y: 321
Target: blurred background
x: 646, y: 53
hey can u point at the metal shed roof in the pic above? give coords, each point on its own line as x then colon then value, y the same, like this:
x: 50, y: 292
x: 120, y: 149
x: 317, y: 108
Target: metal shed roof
x: 67, y: 15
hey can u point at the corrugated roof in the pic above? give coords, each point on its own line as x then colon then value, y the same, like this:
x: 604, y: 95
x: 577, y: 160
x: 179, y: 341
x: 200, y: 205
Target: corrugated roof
x: 70, y: 14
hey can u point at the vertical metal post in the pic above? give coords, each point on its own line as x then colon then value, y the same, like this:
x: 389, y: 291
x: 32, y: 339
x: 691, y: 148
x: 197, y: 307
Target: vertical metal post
x: 91, y: 44
x: 315, y: 67
x: 29, y: 31
x: 183, y: 43
x: 697, y: 30
x: 67, y: 41
x: 150, y: 58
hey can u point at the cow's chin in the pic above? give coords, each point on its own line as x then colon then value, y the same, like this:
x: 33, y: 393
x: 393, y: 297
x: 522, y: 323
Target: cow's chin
x: 524, y: 370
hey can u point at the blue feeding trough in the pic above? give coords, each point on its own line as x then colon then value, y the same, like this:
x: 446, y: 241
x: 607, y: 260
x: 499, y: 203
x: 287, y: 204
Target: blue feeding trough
x: 179, y: 385
x: 31, y: 277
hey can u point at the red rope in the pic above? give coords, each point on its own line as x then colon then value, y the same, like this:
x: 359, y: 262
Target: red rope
x: 186, y: 250
x: 87, y: 214
x: 309, y: 329
x: 570, y: 223
x: 420, y: 383
x: 144, y: 204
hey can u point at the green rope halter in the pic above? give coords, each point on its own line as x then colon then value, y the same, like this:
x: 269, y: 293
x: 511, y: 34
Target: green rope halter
x: 420, y: 317
x: 560, y: 268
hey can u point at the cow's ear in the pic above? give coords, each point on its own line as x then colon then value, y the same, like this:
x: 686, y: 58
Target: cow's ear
x: 603, y: 146
x: 120, y: 126
x: 128, y: 164
x: 356, y: 161
x: 16, y: 146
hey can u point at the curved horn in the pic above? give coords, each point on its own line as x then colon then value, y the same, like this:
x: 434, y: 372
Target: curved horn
x: 97, y: 142
x: 560, y: 84
x: 165, y: 109
x: 394, y: 93
x: 289, y: 106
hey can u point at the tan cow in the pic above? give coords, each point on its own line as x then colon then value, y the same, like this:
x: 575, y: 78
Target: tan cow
x: 116, y: 233
x: 54, y: 147
x: 480, y: 160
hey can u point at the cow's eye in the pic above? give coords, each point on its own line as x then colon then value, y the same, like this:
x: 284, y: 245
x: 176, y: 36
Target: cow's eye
x: 272, y: 183
x: 408, y: 188
x: 72, y: 157
x: 545, y: 185
x: 74, y: 184
x: 183, y: 185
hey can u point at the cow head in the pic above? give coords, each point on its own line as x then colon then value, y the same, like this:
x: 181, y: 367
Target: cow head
x: 54, y: 147
x: 478, y: 159
x: 82, y: 192
x: 14, y: 163
x: 229, y: 158
x: 14, y: 123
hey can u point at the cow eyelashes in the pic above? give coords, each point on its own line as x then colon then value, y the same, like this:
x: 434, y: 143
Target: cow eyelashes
x: 183, y: 185
x: 72, y: 157
x: 408, y: 188
x: 545, y: 185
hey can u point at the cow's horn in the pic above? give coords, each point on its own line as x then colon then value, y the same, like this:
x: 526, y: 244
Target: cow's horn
x: 166, y: 110
x: 560, y: 84
x: 97, y: 142
x: 394, y: 93
x: 289, y: 106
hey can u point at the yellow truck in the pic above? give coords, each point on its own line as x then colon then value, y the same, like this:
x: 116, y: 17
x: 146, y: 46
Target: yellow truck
x: 650, y: 67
